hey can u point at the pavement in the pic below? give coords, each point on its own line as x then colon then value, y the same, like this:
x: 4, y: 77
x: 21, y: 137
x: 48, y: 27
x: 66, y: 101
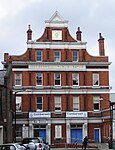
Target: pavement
x: 100, y: 146
x: 103, y: 146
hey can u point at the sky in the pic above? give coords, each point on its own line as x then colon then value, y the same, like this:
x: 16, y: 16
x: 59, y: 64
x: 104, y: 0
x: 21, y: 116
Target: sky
x: 92, y: 16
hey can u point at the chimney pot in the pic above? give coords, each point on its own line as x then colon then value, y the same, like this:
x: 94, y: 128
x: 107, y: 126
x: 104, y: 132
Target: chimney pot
x: 101, y: 45
x: 29, y: 33
x: 78, y: 34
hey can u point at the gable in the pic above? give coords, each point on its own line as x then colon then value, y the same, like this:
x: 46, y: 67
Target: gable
x: 56, y: 21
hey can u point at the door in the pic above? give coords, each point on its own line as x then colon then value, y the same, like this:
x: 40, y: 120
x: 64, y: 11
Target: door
x: 76, y: 135
x: 42, y: 133
x: 96, y: 135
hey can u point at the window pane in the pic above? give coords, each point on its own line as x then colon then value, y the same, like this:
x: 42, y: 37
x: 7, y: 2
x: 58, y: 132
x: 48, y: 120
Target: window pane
x: 95, y: 79
x: 75, y: 103
x: 96, y: 102
x: 18, y: 104
x: 39, y: 103
x: 75, y: 78
x: 39, y: 78
x: 57, y: 78
x: 96, y: 106
x: 56, y: 56
x: 74, y: 56
x: 38, y: 56
x: 18, y: 78
x: 57, y: 103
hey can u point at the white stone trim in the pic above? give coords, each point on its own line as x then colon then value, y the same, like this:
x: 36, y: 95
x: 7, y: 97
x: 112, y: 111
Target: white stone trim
x: 56, y: 45
x: 55, y: 69
x: 66, y: 91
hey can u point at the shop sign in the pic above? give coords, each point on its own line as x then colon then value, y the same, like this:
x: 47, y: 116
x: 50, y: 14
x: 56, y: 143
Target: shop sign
x: 39, y: 114
x: 76, y: 114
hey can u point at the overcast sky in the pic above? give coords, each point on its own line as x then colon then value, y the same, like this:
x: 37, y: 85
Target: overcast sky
x: 92, y: 16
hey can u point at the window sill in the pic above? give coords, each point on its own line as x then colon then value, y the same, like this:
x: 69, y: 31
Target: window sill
x: 57, y: 112
x: 97, y: 111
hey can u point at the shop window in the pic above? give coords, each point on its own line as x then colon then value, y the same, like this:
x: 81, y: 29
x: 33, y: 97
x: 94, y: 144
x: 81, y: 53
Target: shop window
x: 39, y: 103
x: 57, y: 103
x: 39, y: 78
x: 57, y: 56
x: 95, y: 79
x: 38, y: 55
x: 74, y: 56
x: 58, y: 131
x: 18, y: 103
x: 75, y: 103
x: 18, y: 79
x: 75, y: 78
x: 96, y: 101
x: 57, y: 79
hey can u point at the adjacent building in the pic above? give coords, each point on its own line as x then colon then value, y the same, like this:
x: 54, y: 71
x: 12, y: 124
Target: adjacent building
x: 61, y: 92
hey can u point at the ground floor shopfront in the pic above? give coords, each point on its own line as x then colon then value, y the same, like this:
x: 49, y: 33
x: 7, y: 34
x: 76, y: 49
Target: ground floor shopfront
x: 69, y: 129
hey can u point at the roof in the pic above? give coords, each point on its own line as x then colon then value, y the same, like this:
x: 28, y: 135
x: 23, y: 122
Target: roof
x: 2, y: 74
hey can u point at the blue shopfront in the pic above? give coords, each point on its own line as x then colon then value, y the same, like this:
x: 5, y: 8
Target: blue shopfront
x: 39, y: 126
x: 77, y: 126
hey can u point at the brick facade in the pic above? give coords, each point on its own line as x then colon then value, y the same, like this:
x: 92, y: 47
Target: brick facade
x: 71, y: 119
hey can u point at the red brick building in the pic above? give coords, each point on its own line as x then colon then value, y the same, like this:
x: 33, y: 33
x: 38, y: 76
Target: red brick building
x: 61, y: 91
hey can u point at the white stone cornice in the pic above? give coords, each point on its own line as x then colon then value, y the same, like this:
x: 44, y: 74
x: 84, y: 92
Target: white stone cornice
x: 61, y: 90
x: 59, y: 63
x: 56, y: 45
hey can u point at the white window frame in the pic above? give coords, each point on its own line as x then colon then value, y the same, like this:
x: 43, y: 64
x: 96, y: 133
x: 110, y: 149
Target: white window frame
x: 39, y: 55
x: 57, y: 103
x: 76, y: 77
x: 58, y: 80
x: 39, y: 77
x: 18, y: 78
x: 58, y: 131
x: 96, y: 100
x: 76, y: 103
x: 18, y: 104
x: 39, y: 103
x: 57, y: 58
x: 95, y: 79
x: 75, y: 56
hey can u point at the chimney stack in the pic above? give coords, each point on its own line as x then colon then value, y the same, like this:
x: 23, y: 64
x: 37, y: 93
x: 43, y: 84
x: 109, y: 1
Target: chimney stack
x: 78, y: 34
x: 29, y: 33
x: 101, y: 45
